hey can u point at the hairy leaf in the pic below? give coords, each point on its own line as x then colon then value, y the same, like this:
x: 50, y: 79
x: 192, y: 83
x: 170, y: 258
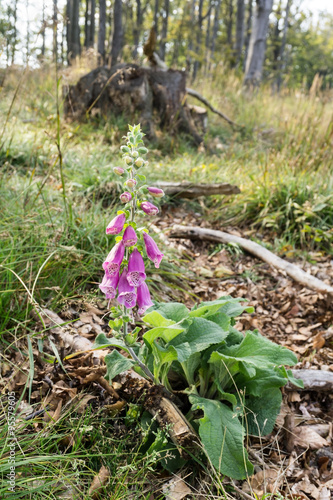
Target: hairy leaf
x: 171, y: 310
x: 116, y: 363
x: 261, y: 412
x: 102, y: 342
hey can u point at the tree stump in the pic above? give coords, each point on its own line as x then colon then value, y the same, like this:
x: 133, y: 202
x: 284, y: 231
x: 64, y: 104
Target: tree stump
x: 157, y: 96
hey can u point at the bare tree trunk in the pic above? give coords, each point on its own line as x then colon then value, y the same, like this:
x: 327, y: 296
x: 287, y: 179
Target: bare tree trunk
x: 55, y: 31
x: 27, y: 42
x: 14, y: 32
x: 239, y: 30
x: 282, y: 60
x: 191, y: 35
x: 257, y: 46
x: 156, y: 16
x: 101, y: 32
x: 117, y: 39
x: 138, y: 27
x: 164, y: 28
x: 208, y: 35
x: 89, y: 25
x: 230, y: 7
x: 215, y: 26
x: 43, y: 31
x: 248, y: 31
x: 73, y: 29
x: 198, y: 33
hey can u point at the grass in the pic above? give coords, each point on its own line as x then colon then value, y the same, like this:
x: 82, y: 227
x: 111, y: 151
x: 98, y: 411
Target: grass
x: 281, y: 159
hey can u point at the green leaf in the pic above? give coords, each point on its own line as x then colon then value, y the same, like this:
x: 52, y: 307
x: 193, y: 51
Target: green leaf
x: 116, y: 363
x: 163, y: 355
x: 172, y: 310
x: 154, y: 318
x: 201, y: 334
x: 261, y: 352
x: 208, y: 308
x: 143, y: 151
x: 261, y: 412
x: 263, y: 379
x: 222, y: 436
x: 235, y: 309
x: 166, y: 333
x: 141, y: 177
x: 221, y: 319
x: 296, y: 381
x: 102, y: 342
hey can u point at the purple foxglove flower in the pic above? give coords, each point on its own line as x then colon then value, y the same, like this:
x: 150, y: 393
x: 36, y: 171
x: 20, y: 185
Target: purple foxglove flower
x: 156, y: 192
x: 149, y: 208
x: 130, y: 238
x: 127, y: 295
x: 113, y: 261
x: 153, y: 253
x: 109, y: 285
x: 136, y: 269
x: 131, y: 183
x: 118, y: 170
x: 143, y: 298
x: 125, y: 197
x: 116, y: 225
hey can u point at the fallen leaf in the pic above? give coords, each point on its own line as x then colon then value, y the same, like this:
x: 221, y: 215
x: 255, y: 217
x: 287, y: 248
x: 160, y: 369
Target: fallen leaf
x: 306, y: 487
x: 175, y: 489
x: 308, y: 438
x: 99, y: 482
x: 318, y: 341
x: 266, y: 481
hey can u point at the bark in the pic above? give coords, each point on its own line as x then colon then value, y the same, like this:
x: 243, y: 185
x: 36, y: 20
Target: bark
x: 156, y: 16
x: 89, y: 25
x: 257, y: 45
x: 164, y: 31
x: 190, y: 190
x: 117, y: 39
x: 208, y: 29
x: 230, y: 14
x: 253, y: 248
x: 101, y: 32
x: 282, y: 59
x: 198, y: 40
x: 248, y: 32
x: 239, y: 30
x: 73, y: 30
x: 215, y: 25
x: 313, y: 380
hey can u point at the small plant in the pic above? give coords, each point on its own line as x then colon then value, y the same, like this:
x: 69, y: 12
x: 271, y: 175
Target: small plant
x: 231, y: 381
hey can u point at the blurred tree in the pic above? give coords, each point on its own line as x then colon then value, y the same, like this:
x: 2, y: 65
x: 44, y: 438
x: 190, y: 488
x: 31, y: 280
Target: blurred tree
x: 239, y: 31
x: 118, y: 33
x: 101, y: 32
x: 73, y: 30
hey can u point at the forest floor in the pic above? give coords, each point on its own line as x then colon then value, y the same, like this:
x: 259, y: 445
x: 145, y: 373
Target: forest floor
x: 52, y: 246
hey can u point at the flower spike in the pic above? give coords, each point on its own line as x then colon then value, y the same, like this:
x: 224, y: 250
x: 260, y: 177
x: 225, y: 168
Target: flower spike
x: 136, y: 269
x: 127, y: 295
x: 143, y: 298
x: 153, y: 253
x: 113, y: 261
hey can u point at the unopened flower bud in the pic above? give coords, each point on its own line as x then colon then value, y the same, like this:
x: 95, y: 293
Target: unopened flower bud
x: 128, y: 160
x: 156, y: 192
x: 118, y: 170
x: 125, y: 197
x: 131, y: 183
x: 139, y: 162
x: 135, y: 154
x: 149, y: 208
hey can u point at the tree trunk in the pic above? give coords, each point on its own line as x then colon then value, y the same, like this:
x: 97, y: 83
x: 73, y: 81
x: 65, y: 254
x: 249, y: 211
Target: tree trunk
x: 239, y: 30
x: 215, y: 26
x: 137, y: 29
x: 101, y: 32
x: 248, y: 32
x: 257, y: 46
x: 230, y: 7
x: 198, y: 42
x: 207, y: 44
x: 43, y: 31
x: 89, y: 25
x: 73, y: 30
x: 164, y: 32
x: 117, y: 39
x: 55, y: 31
x: 282, y: 60
x: 156, y: 16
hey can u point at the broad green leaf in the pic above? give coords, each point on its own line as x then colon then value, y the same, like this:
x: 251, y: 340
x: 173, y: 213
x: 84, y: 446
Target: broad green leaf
x: 201, y: 334
x: 102, y: 342
x: 263, y: 379
x: 154, y: 318
x: 171, y: 310
x: 222, y: 436
x: 207, y: 308
x: 163, y: 355
x: 221, y: 319
x: 116, y: 363
x: 166, y: 333
x: 260, y: 351
x: 190, y: 367
x: 235, y: 309
x: 261, y: 412
x: 296, y: 381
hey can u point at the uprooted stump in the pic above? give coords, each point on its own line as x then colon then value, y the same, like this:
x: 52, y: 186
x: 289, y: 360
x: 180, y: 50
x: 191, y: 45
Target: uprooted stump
x: 157, y: 96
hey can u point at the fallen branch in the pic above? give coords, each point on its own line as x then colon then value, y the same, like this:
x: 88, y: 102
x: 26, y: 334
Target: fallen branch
x: 313, y: 380
x: 253, y: 248
x: 190, y: 190
x: 198, y: 96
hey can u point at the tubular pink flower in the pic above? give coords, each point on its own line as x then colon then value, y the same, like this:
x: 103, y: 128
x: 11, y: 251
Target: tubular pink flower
x: 113, y: 261
x: 143, y: 298
x: 116, y: 225
x: 149, y: 208
x: 109, y: 285
x: 125, y: 197
x: 156, y: 192
x: 130, y: 238
x: 127, y: 295
x: 153, y: 253
x: 118, y: 170
x: 136, y: 268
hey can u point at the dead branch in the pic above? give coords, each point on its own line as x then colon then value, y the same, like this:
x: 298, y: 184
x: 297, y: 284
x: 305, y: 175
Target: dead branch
x: 198, y: 96
x: 190, y: 190
x: 253, y: 248
x: 313, y: 380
